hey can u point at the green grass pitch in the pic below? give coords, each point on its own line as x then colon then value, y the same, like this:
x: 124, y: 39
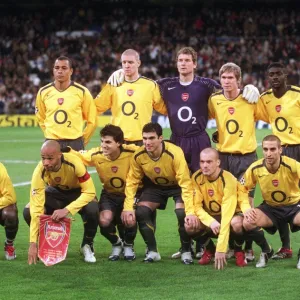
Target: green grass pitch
x: 168, y: 279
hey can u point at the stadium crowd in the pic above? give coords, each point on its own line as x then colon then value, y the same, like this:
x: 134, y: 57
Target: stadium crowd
x: 30, y: 42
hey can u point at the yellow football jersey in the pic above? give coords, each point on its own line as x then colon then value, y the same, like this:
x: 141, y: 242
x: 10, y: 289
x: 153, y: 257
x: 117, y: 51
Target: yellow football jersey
x: 72, y: 174
x: 112, y: 173
x: 216, y: 198
x: 7, y: 191
x: 283, y: 114
x: 278, y: 189
x: 235, y: 123
x: 61, y: 115
x: 170, y: 169
x: 131, y: 105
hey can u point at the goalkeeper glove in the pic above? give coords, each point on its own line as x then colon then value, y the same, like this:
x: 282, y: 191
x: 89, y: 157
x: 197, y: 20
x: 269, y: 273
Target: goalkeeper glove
x: 251, y: 93
x: 116, y: 78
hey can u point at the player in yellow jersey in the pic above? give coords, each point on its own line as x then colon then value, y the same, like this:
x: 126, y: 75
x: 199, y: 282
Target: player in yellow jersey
x: 112, y: 162
x: 131, y: 103
x: 8, y: 213
x: 61, y: 185
x: 63, y: 106
x: 280, y: 106
x: 236, y: 141
x: 278, y: 177
x: 168, y: 175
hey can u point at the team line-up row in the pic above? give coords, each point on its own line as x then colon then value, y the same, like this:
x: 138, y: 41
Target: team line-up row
x: 188, y: 100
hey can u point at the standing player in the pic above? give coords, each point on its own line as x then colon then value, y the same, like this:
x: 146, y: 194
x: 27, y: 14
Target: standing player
x: 163, y: 163
x: 131, y: 103
x: 280, y: 106
x: 112, y: 161
x: 61, y: 185
x: 235, y: 119
x: 8, y: 213
x: 278, y: 177
x: 63, y: 106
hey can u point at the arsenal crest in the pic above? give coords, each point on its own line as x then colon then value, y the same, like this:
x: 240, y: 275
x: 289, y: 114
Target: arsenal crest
x: 114, y: 169
x: 157, y: 170
x: 275, y: 182
x: 57, y: 179
x: 185, y: 96
x: 210, y: 192
x: 60, y: 101
x: 278, y: 108
x: 231, y: 110
x: 130, y: 92
x: 54, y: 233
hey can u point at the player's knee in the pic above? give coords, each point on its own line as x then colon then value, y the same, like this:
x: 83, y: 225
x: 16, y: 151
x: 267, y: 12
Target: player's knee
x: 105, y: 221
x: 248, y: 226
x: 189, y: 229
x: 26, y: 214
x: 143, y: 213
x: 10, y: 216
x: 180, y: 213
x: 237, y: 224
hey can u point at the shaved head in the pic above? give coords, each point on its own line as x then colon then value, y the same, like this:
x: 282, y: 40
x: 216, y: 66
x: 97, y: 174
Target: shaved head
x: 51, y: 144
x: 210, y: 151
x: 131, y: 52
x: 51, y: 155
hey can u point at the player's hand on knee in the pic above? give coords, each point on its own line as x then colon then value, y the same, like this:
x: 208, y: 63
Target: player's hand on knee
x: 32, y: 253
x: 128, y: 218
x: 250, y: 215
x: 215, y: 227
x: 116, y: 78
x: 251, y: 93
x: 192, y: 222
x: 220, y: 260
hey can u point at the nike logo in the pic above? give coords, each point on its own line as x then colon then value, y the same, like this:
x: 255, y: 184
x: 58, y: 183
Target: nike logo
x: 100, y: 163
x: 259, y: 176
x: 143, y: 164
x: 171, y: 88
x: 267, y: 102
x: 218, y: 103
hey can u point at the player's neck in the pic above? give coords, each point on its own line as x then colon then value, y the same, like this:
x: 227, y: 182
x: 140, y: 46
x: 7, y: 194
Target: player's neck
x: 278, y: 93
x: 230, y: 95
x: 61, y: 86
x: 214, y: 175
x: 115, y: 155
x: 186, y: 78
x: 57, y: 167
x: 273, y: 168
x: 132, y: 78
x: 155, y: 155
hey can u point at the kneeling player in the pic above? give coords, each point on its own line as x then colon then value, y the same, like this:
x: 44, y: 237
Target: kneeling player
x: 112, y: 162
x: 164, y: 165
x: 8, y: 213
x: 215, y: 195
x: 61, y: 185
x: 278, y: 177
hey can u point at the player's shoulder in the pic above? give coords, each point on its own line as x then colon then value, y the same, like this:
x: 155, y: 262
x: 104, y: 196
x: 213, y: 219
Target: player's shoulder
x: 218, y: 95
x: 227, y: 177
x: 288, y: 162
x: 139, y: 152
x: 171, y: 149
x: 294, y: 88
x: 168, y: 81
x: 266, y: 93
x: 257, y: 165
x: 93, y: 151
x: 45, y: 88
x: 80, y: 87
x: 130, y: 148
x: 146, y: 81
x: 197, y: 176
x: 71, y: 159
x: 205, y: 81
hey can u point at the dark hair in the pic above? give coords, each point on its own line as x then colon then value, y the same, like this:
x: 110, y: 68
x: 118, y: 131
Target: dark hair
x: 272, y: 138
x: 275, y: 65
x: 66, y: 58
x: 114, y: 131
x: 153, y: 127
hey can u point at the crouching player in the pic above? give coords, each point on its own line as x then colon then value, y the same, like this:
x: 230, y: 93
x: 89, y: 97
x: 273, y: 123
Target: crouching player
x: 8, y: 213
x: 164, y: 165
x: 112, y: 161
x: 61, y: 185
x: 278, y: 177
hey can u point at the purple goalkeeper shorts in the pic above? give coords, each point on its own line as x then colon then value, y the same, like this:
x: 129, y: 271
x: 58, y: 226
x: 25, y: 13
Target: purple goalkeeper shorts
x: 192, y: 146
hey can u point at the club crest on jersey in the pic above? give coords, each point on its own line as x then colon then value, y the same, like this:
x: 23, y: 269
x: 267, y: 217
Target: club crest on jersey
x: 210, y: 192
x: 185, y: 96
x: 60, y: 101
x: 275, y: 182
x: 231, y: 110
x: 278, y: 108
x: 57, y: 179
x: 130, y: 92
x: 54, y: 233
x: 114, y: 169
x: 157, y: 170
